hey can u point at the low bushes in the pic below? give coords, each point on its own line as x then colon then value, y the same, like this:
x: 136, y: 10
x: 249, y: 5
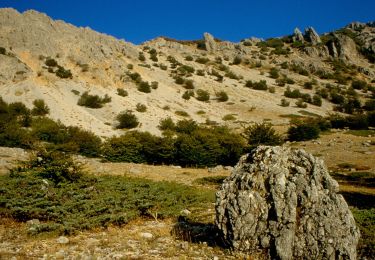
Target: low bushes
x: 89, y: 202
x: 261, y: 134
x: 302, y: 131
x: 261, y: 85
x: 126, y: 120
x: 93, y: 101
x: 202, y: 95
x: 40, y: 108
x: 192, y: 145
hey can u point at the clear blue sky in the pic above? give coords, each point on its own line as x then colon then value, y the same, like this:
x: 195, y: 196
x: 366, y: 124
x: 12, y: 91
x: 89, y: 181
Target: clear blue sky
x: 137, y: 21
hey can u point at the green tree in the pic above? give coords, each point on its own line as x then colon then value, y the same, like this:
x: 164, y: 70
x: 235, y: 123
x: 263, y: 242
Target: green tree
x: 40, y: 108
x: 261, y: 134
x: 127, y: 120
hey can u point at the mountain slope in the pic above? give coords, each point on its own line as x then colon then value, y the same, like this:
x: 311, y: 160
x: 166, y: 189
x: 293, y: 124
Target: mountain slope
x: 101, y: 64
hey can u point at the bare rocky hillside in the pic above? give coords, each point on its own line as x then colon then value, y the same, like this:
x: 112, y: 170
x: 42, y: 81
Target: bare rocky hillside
x: 57, y: 62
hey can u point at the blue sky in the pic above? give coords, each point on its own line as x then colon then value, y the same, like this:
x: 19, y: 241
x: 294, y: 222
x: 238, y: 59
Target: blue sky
x: 137, y: 21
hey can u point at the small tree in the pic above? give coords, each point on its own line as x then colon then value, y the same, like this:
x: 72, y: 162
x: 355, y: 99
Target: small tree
x: 222, y: 96
x: 284, y: 102
x: 274, y: 73
x: 187, y: 94
x: 122, y: 92
x: 167, y: 124
x: 141, y: 56
x: 203, y: 95
x: 141, y: 108
x: 262, y: 134
x: 144, y: 87
x: 51, y: 62
x: 40, y: 108
x: 127, y: 120
x: 302, y: 131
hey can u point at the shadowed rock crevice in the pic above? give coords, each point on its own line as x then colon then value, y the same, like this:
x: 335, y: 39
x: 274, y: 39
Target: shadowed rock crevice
x: 285, y: 202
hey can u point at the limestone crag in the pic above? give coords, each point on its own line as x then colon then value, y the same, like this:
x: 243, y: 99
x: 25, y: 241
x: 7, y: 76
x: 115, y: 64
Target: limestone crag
x: 209, y: 42
x: 297, y: 36
x: 312, y: 36
x: 284, y: 203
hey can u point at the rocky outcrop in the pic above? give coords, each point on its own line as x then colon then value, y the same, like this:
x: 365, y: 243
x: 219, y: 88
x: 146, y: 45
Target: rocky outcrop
x: 312, y: 36
x: 297, y: 36
x: 209, y: 42
x: 343, y: 47
x: 284, y: 203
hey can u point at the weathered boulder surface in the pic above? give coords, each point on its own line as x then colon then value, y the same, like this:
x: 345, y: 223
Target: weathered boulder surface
x: 284, y: 203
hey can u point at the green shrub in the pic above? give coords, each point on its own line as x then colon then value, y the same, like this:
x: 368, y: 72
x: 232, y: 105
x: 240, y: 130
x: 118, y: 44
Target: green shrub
x: 189, y: 58
x: 181, y: 113
x: 317, y: 100
x: 337, y: 98
x: 127, y: 120
x: 167, y: 124
x: 202, y: 60
x: 136, y: 77
x: 369, y: 105
x: 189, y: 84
x: 301, y: 104
x: 144, y: 87
x: 261, y: 85
x: 122, y: 92
x: 292, y: 94
x: 3, y: 51
x: 95, y: 202
x: 186, y: 69
x: 93, y: 101
x: 202, y: 95
x: 75, y: 92
x: 179, y: 80
x: 141, y: 108
x: 237, y: 60
x: 303, y: 131
x: 299, y: 69
x: 163, y: 67
x: 130, y: 66
x: 359, y: 84
x: 17, y: 108
x: 40, y: 108
x: 274, y: 73
x: 154, y: 84
x: 222, y: 96
x: 201, y: 73
x: 284, y: 103
x: 51, y: 62
x: 271, y: 42
x: 13, y: 135
x: 141, y: 57
x: 229, y: 117
x: 261, y: 134
x: 63, y: 73
x: 308, y: 85
x: 188, y: 94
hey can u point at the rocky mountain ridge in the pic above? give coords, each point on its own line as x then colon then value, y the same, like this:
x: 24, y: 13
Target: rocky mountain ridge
x: 101, y: 64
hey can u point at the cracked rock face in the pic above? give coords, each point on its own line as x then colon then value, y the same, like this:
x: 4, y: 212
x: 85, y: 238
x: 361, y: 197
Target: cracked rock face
x: 284, y: 203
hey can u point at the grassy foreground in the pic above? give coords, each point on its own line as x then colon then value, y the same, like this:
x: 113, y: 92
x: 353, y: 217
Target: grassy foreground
x: 66, y: 201
x: 91, y: 202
